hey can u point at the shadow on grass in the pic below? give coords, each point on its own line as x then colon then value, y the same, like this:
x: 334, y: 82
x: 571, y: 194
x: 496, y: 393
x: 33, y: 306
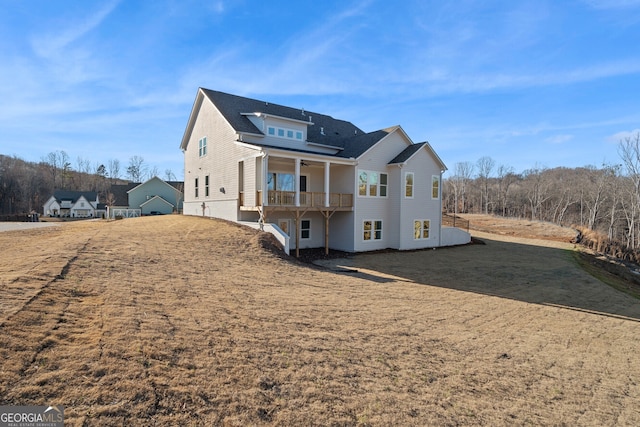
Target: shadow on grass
x: 523, y: 272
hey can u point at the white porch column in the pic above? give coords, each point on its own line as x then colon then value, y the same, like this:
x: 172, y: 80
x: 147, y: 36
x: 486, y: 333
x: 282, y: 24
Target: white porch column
x: 297, y: 183
x: 265, y: 180
x: 326, y: 184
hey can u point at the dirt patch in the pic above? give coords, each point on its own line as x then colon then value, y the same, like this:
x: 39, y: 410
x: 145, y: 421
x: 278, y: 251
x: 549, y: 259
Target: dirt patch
x: 178, y: 320
x: 519, y: 227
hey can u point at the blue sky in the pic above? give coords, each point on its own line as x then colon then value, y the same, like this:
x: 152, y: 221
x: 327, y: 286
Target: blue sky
x: 528, y: 83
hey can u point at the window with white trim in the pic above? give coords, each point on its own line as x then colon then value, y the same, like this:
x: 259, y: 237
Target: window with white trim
x: 421, y: 229
x: 196, y: 186
x: 435, y: 187
x: 285, y: 133
x: 372, y: 184
x: 371, y: 229
x: 202, y: 147
x: 408, y: 185
x: 206, y: 186
x: 305, y: 229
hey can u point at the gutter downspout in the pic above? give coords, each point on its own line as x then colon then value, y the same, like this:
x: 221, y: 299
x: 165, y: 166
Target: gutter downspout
x: 440, y: 211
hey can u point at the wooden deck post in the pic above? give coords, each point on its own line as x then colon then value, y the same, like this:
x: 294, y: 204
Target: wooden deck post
x: 297, y: 228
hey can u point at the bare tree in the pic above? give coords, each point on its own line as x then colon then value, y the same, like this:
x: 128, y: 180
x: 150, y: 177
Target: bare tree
x: 485, y: 167
x: 57, y: 162
x: 113, y: 169
x: 153, y: 172
x: 536, y: 190
x: 136, y: 169
x: 629, y: 150
x: 506, y: 177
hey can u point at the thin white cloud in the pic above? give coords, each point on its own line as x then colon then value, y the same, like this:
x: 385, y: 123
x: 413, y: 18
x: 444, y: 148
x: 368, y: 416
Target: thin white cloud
x: 310, y: 62
x: 559, y: 139
x: 50, y: 44
x: 623, y: 135
x: 613, y: 4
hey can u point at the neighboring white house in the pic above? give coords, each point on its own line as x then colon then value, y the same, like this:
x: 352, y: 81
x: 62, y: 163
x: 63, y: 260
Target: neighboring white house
x: 322, y: 181
x: 154, y: 196
x: 74, y: 204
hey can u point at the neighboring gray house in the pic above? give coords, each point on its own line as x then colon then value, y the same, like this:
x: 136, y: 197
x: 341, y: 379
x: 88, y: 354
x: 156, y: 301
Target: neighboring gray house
x: 156, y: 196
x: 74, y: 204
x: 313, y: 178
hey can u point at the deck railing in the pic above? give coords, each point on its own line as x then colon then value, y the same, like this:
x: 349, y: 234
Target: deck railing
x: 452, y: 220
x: 307, y: 199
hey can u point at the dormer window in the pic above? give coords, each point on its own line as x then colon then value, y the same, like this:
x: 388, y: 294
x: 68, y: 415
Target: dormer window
x: 285, y: 133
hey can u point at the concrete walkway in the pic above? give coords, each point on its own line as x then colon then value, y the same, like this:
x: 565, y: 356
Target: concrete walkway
x: 11, y: 226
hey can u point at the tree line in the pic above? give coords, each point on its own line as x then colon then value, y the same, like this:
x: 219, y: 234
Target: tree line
x: 603, y: 199
x: 26, y: 186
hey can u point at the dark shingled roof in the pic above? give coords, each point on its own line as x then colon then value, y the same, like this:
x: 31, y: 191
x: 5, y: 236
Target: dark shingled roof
x: 73, y: 196
x: 119, y: 191
x: 407, y: 153
x: 325, y: 130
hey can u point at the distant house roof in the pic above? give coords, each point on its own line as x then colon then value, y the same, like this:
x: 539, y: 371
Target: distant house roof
x: 73, y: 196
x: 120, y: 191
x: 177, y: 185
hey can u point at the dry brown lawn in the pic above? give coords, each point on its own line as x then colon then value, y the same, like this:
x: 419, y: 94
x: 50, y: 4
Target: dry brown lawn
x: 178, y: 320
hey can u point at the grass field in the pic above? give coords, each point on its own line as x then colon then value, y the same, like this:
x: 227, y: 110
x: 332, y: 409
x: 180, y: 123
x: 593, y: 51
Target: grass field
x: 176, y: 320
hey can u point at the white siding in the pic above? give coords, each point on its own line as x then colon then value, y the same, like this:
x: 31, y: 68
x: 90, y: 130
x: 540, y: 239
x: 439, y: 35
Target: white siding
x: 421, y: 206
x: 378, y: 208
x: 220, y: 163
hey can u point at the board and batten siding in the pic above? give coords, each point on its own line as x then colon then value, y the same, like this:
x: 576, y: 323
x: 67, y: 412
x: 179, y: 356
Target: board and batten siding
x: 220, y: 164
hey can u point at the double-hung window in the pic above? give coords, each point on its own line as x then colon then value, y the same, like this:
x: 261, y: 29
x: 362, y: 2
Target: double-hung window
x: 372, y: 184
x: 305, y: 229
x: 202, y: 147
x: 206, y: 186
x: 196, y: 187
x: 435, y: 187
x: 371, y: 230
x: 421, y: 229
x: 408, y: 184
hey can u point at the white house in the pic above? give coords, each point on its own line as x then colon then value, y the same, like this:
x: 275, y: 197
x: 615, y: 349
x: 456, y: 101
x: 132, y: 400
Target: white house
x: 74, y: 204
x: 320, y: 180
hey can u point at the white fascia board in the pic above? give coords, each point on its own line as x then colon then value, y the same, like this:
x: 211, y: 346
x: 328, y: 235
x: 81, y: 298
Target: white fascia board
x: 309, y: 156
x: 265, y: 115
x: 317, y: 144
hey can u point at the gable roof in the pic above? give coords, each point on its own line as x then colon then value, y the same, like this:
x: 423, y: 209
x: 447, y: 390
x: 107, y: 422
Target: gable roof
x: 349, y: 141
x: 324, y: 129
x: 407, y: 153
x: 157, y: 198
x: 155, y: 178
x: 412, y: 149
x: 119, y: 191
x: 73, y: 196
